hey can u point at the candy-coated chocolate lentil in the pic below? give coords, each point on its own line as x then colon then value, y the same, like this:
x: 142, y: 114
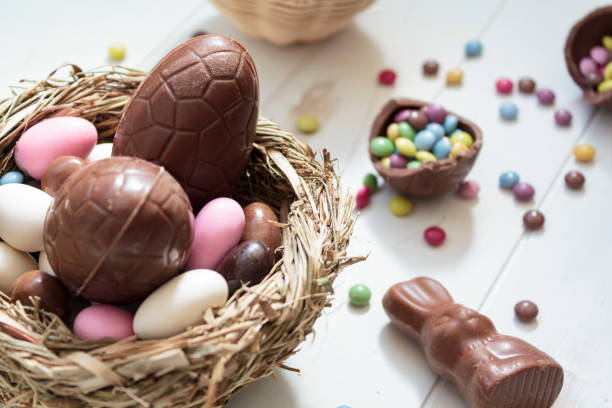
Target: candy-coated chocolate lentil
x: 423, y: 156
x: 437, y: 129
x: 414, y: 164
x: 600, y: 55
x: 308, y: 124
x: 545, y: 96
x: 424, y: 140
x: 574, y: 179
x: 523, y: 191
x: 508, y: 111
x: 430, y: 67
x: 398, y: 161
x: 387, y: 77
x: 605, y: 86
x: 473, y: 48
x: 386, y: 162
x: 508, y: 179
x: 402, y: 115
x: 457, y: 149
x: 406, y: 130
x: 450, y: 123
x: 454, y: 76
x: 608, y: 71
x: 434, y: 236
x: 435, y: 113
x: 526, y: 85
x: 442, y: 148
x: 469, y: 189
x: 526, y: 310
x: 371, y: 182
x: 504, y: 85
x: 587, y: 66
x: 116, y: 52
x: 406, y: 147
x: 417, y: 119
x: 584, y: 152
x: 381, y: 146
x: 533, y: 220
x: 11, y: 177
x: 393, y: 131
x: 362, y: 198
x: 359, y: 295
x: 400, y: 206
x: 462, y: 137
x: 563, y: 117
x: 607, y: 42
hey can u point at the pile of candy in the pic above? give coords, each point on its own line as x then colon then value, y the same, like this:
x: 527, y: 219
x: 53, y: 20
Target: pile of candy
x: 597, y: 67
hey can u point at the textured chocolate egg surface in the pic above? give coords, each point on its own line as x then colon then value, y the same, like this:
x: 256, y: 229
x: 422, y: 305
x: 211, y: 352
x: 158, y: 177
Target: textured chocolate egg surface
x: 195, y: 114
x: 118, y: 229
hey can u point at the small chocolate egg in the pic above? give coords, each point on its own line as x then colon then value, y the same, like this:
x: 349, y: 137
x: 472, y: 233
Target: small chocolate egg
x: 58, y: 171
x: 248, y: 262
x: 54, y: 297
x: 258, y: 227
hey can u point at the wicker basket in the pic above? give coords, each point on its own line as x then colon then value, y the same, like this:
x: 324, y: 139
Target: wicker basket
x: 284, y: 22
x: 43, y: 365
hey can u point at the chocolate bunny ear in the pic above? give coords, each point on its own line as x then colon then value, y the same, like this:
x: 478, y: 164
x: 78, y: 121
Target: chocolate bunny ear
x: 409, y: 304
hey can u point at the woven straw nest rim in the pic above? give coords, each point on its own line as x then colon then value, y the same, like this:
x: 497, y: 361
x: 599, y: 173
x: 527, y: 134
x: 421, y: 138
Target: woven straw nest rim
x: 42, y: 364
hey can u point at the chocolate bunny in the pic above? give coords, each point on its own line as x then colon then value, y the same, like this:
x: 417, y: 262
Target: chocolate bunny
x: 490, y: 370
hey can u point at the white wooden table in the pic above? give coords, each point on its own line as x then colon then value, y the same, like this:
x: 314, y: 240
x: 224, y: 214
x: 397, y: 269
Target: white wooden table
x: 488, y: 262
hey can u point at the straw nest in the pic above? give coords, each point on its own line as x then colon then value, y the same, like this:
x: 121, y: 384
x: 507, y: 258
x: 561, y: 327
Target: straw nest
x: 43, y: 365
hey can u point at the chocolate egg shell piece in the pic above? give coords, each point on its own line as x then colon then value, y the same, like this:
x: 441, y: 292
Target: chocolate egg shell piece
x: 118, y: 229
x: 258, y: 226
x: 248, y: 263
x: 195, y: 114
x: 54, y: 297
x: 58, y: 171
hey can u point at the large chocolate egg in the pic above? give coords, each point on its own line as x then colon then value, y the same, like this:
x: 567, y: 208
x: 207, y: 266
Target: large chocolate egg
x: 195, y: 114
x: 118, y: 229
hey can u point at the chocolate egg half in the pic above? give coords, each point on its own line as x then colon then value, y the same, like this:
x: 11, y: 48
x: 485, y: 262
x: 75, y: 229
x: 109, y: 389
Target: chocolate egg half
x: 118, y: 229
x: 195, y: 114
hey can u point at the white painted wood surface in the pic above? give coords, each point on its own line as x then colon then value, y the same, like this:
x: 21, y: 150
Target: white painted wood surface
x: 488, y: 261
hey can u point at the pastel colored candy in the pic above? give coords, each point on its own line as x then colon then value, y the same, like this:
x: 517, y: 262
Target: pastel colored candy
x: 508, y: 111
x: 405, y: 146
x: 217, y: 228
x: 100, y: 151
x: 473, y: 48
x: 462, y: 137
x: 52, y: 138
x: 437, y: 129
x: 469, y: 189
x: 508, y: 179
x: 442, y: 148
x: 381, y: 146
x: 13, y: 264
x: 406, y: 130
x: 398, y: 161
x: 423, y: 156
x: 103, y: 321
x: 424, y: 140
x: 608, y: 71
x: 43, y: 263
x: 435, y: 113
x: 600, y: 55
x: 11, y: 177
x: 587, y: 66
x: 450, y: 123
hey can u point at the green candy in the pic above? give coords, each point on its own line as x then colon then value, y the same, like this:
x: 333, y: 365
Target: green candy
x: 405, y: 130
x: 381, y: 146
x: 371, y: 182
x: 413, y: 164
x: 359, y: 295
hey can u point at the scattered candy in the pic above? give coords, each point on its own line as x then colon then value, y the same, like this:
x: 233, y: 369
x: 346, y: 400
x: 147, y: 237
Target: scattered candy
x: 526, y: 85
x: 574, y: 179
x: 116, y: 52
x: 462, y: 137
x: 398, y: 161
x: 424, y: 140
x: 435, y: 113
x: 563, y: 117
x: 414, y: 164
x: 508, y: 111
x: 469, y: 189
x: 523, y: 191
x: 393, y: 131
x: 473, y: 48
x: 457, y: 149
x: 504, y: 85
x: 526, y: 310
x: 584, y: 152
x: 308, y: 124
x: 359, y: 295
x: 545, y: 96
x: 450, y: 123
x: 362, y: 198
x: 508, y: 179
x: 423, y: 156
x: 405, y: 146
x: 406, y: 130
x: 387, y: 77
x: 400, y: 206
x: 11, y: 177
x: 381, y: 146
x: 430, y: 67
x: 434, y: 236
x: 371, y: 182
x: 454, y: 76
x: 442, y: 148
x: 533, y: 220
x: 600, y: 55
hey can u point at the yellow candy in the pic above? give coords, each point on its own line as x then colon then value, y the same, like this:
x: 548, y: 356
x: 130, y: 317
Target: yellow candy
x: 393, y: 131
x: 405, y: 146
x: 454, y: 76
x: 116, y: 52
x: 386, y: 161
x: 607, y: 42
x: 424, y: 155
x: 462, y: 137
x: 457, y: 149
x: 308, y: 124
x: 604, y: 86
x: 608, y: 71
x: 400, y: 206
x: 584, y: 152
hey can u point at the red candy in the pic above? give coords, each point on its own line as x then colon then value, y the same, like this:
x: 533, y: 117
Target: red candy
x: 504, y: 85
x: 387, y: 77
x: 362, y: 198
x: 434, y: 236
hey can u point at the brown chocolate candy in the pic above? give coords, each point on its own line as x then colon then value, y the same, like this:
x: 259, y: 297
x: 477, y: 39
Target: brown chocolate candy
x: 430, y: 67
x: 258, y: 227
x: 533, y: 220
x: 54, y: 297
x: 417, y: 119
x: 249, y: 262
x: 526, y: 85
x: 58, y: 171
x: 195, y: 114
x: 574, y: 179
x: 526, y: 310
x: 463, y: 346
x: 118, y: 229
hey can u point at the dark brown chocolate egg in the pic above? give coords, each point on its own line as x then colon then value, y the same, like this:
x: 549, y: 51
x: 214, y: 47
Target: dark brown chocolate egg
x: 258, y: 227
x: 54, y: 297
x: 249, y: 262
x: 195, y: 114
x: 118, y: 229
x: 58, y: 171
